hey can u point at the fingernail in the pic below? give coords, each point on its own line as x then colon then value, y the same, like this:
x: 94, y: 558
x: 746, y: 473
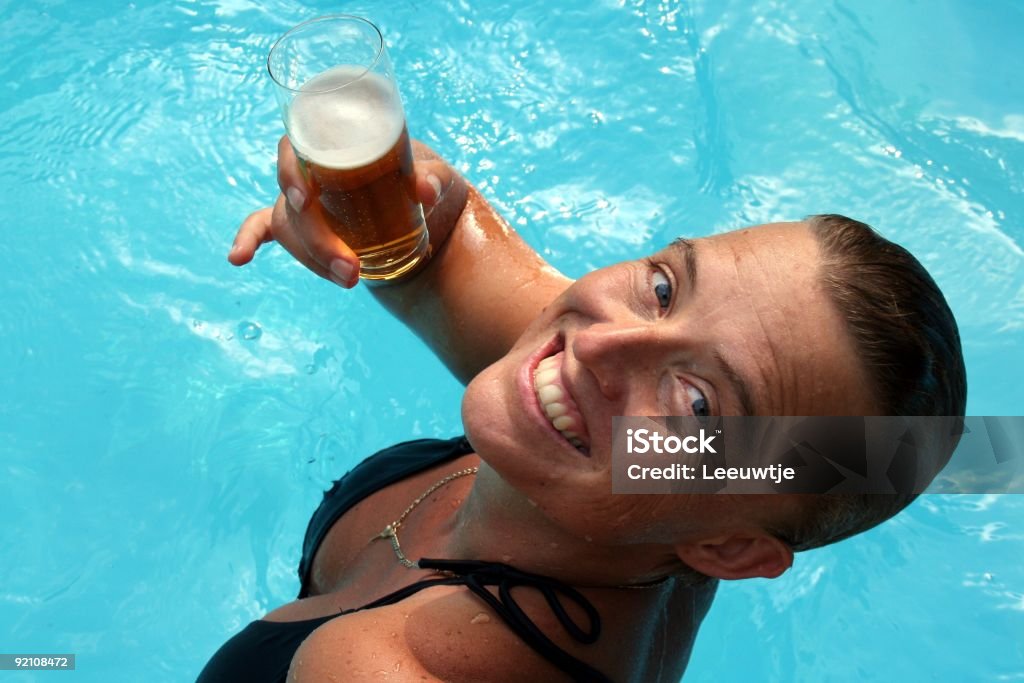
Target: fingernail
x: 296, y: 198
x: 342, y: 272
x: 435, y: 183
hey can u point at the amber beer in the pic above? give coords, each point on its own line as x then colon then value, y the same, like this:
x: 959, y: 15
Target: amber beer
x: 347, y: 127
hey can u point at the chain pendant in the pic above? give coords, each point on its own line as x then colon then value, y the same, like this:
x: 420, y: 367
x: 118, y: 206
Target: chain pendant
x: 391, y: 530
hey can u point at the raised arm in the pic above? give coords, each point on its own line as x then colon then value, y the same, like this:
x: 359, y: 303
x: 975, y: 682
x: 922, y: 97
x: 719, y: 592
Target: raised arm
x: 472, y: 300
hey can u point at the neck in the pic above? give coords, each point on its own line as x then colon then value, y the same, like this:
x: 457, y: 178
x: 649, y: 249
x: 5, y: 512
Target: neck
x: 497, y: 523
x: 491, y: 521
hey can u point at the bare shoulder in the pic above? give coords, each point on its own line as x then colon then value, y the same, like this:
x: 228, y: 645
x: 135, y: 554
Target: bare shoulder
x: 440, y: 634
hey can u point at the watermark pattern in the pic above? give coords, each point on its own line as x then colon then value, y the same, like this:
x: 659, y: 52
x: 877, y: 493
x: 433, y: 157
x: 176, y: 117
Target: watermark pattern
x: 877, y: 455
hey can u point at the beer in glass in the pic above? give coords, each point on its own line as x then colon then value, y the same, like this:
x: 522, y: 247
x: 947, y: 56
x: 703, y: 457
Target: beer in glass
x: 344, y: 117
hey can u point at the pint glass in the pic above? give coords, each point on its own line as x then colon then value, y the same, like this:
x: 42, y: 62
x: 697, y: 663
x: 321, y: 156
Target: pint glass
x: 344, y: 118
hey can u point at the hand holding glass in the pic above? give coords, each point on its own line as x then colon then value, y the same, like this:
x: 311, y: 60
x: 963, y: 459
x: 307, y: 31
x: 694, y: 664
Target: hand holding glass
x: 344, y: 118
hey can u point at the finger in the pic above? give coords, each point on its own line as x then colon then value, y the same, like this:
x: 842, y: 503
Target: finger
x: 433, y: 179
x: 286, y: 234
x: 289, y: 175
x: 334, y: 259
x: 308, y: 236
x: 254, y: 231
x: 443, y: 193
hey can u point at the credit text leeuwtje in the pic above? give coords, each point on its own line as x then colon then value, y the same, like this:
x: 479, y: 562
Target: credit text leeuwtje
x: 644, y: 441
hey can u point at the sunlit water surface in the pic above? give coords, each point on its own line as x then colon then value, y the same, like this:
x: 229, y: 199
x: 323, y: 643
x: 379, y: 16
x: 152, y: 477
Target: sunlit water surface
x: 167, y: 423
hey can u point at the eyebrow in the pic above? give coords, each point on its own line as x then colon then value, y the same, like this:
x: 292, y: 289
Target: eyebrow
x: 688, y: 251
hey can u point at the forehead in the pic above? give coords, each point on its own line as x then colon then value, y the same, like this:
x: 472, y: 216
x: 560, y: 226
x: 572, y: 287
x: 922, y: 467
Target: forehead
x: 761, y: 303
x: 763, y: 253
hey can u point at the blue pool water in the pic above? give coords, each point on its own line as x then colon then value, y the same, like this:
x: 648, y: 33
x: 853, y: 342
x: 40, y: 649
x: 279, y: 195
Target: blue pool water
x: 167, y: 422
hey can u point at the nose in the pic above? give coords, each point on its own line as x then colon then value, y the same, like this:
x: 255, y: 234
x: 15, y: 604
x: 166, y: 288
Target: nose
x: 617, y: 355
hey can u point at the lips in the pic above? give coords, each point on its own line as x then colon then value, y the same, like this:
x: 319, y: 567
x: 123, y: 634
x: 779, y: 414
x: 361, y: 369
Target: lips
x: 557, y: 402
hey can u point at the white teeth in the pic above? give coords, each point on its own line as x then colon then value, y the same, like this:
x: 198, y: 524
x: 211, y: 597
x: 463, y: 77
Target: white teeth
x: 550, y: 393
x: 555, y: 409
x: 546, y: 376
x: 563, y: 422
x: 552, y: 400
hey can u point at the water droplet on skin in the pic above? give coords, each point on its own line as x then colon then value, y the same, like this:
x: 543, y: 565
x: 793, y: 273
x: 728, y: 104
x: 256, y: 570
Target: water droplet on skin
x: 480, y: 618
x: 507, y: 559
x: 249, y: 331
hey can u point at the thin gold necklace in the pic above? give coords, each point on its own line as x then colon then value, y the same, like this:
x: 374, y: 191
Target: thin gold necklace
x: 391, y: 530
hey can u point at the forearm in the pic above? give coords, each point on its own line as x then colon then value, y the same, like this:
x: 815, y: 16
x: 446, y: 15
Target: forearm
x: 482, y: 288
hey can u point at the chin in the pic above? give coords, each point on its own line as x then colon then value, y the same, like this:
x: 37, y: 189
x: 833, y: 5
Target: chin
x: 483, y: 417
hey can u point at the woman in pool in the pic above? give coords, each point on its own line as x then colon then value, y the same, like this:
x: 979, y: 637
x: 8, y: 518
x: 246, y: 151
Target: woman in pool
x: 545, y: 574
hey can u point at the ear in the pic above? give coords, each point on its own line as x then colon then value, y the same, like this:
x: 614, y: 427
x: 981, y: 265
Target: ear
x: 738, y: 556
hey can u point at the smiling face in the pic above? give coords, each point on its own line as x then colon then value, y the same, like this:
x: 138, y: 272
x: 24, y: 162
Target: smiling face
x: 733, y: 324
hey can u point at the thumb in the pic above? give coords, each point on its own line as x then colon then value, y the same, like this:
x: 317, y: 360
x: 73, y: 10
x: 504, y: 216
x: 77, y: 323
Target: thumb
x: 443, y: 193
x: 433, y: 180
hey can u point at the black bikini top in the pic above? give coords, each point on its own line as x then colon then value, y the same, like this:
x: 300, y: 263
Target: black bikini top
x: 476, y: 576
x: 263, y: 650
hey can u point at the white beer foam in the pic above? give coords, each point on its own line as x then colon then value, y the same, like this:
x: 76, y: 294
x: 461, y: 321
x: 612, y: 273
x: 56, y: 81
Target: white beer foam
x: 349, y: 126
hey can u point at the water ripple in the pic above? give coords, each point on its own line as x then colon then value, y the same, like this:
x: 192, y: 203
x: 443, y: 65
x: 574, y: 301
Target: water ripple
x: 142, y: 133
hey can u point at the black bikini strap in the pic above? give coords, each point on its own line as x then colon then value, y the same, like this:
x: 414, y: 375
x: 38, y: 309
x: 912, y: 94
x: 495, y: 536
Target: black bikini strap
x: 477, y: 575
x: 506, y: 577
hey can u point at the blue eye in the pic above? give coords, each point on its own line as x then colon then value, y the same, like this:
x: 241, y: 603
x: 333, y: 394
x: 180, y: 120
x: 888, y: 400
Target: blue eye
x: 698, y: 404
x: 662, y: 288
